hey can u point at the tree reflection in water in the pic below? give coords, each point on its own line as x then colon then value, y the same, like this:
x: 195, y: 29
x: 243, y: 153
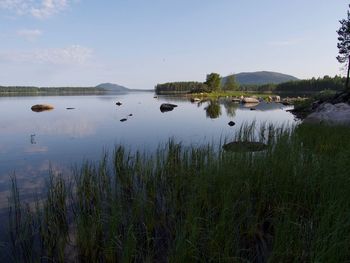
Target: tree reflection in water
x: 230, y: 108
x: 213, y: 110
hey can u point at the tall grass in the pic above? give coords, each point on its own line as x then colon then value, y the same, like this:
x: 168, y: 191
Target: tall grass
x: 197, y: 204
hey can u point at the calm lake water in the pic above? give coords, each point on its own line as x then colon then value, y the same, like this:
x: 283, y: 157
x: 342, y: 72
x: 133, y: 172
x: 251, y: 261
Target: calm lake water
x: 31, y: 142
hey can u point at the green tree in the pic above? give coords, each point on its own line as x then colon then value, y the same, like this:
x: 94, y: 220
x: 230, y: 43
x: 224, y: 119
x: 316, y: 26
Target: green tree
x: 230, y: 84
x: 213, y: 81
x: 344, y: 45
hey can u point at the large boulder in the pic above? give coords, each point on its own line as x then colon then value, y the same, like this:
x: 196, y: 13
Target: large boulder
x: 276, y: 98
x: 332, y: 114
x: 167, y: 107
x: 42, y: 107
x: 250, y: 100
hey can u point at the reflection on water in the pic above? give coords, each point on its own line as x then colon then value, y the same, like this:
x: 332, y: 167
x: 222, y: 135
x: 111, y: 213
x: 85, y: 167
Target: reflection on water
x: 230, y: 108
x: 213, y: 110
x: 31, y: 142
x: 32, y: 139
x: 250, y: 105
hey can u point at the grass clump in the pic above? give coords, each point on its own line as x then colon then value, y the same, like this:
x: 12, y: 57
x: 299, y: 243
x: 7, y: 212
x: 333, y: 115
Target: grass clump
x: 288, y: 203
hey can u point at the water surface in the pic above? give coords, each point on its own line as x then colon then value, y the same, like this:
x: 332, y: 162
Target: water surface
x: 32, y: 142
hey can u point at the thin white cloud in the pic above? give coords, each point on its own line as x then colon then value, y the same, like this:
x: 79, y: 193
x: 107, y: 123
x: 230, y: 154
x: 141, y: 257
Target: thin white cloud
x: 29, y: 34
x: 48, y: 8
x: 37, y: 8
x: 61, y: 56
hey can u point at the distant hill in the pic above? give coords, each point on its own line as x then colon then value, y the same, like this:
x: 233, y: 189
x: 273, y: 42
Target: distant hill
x: 112, y: 87
x: 115, y: 88
x: 261, y: 78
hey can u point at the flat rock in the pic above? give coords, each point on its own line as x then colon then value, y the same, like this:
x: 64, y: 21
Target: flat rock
x: 167, y: 107
x: 244, y: 146
x: 42, y: 107
x: 332, y: 114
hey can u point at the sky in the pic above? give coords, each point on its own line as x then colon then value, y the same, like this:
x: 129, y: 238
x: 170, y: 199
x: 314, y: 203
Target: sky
x: 139, y: 43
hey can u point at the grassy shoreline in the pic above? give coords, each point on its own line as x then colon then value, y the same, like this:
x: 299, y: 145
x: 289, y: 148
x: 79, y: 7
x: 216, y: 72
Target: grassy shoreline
x: 185, y: 204
x: 230, y: 94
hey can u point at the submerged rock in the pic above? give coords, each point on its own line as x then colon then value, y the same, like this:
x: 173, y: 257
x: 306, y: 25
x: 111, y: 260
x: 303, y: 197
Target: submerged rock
x: 327, y: 113
x: 122, y: 120
x: 167, y: 107
x: 118, y: 103
x: 42, y: 107
x: 244, y: 146
x: 70, y: 108
x: 231, y: 123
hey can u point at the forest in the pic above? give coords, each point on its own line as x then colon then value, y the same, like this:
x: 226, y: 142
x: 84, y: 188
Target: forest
x: 181, y: 87
x: 46, y: 90
x: 313, y: 85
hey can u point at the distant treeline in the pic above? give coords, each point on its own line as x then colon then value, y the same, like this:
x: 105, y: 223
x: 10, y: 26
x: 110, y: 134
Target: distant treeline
x: 45, y: 90
x: 181, y: 87
x: 299, y: 86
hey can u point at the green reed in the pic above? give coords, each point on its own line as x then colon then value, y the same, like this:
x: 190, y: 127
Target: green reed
x: 288, y: 203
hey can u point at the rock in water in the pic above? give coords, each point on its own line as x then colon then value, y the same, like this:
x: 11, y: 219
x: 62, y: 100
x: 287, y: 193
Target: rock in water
x: 327, y: 113
x: 231, y: 123
x: 250, y: 100
x: 167, y: 107
x: 42, y: 107
x: 122, y: 120
x: 195, y: 99
x: 244, y: 146
x: 118, y: 103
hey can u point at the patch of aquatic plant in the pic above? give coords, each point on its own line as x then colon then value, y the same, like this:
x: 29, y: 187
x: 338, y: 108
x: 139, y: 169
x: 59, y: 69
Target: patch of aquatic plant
x: 288, y: 203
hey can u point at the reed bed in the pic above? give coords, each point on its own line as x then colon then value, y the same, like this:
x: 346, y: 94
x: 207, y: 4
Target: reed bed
x: 289, y: 203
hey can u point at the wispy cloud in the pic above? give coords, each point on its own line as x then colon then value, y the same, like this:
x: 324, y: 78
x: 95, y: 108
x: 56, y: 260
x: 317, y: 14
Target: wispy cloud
x: 74, y: 54
x: 37, y: 8
x: 29, y: 34
x: 48, y: 8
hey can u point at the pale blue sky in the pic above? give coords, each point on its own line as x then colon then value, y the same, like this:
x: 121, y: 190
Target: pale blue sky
x: 139, y: 43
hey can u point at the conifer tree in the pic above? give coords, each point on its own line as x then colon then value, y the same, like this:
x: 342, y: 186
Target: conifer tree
x: 344, y: 45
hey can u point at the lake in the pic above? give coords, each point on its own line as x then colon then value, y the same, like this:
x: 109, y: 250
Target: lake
x: 31, y: 143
